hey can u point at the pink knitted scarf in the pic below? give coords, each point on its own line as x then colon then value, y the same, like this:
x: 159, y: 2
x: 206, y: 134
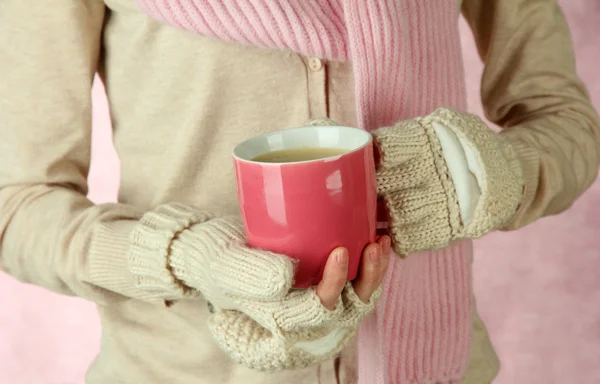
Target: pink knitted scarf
x: 407, y: 62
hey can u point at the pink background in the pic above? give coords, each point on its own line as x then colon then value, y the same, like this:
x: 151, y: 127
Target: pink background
x: 538, y: 290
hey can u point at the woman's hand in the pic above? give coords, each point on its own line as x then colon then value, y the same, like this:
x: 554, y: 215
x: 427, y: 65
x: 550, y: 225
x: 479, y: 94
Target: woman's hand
x: 444, y: 177
x: 306, y: 326
x: 373, y: 265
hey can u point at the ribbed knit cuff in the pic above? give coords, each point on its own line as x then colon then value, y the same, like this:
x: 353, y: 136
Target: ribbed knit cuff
x: 108, y: 258
x: 148, y: 256
x: 530, y: 165
x: 415, y: 184
x: 402, y: 142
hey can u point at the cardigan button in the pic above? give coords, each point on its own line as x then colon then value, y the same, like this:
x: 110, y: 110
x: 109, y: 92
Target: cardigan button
x: 315, y: 64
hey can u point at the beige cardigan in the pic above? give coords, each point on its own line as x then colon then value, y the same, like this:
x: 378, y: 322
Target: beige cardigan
x: 179, y: 103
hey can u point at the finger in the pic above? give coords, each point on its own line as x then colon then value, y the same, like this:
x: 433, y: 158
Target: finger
x: 370, y: 273
x: 386, y: 244
x: 386, y: 248
x: 334, y: 278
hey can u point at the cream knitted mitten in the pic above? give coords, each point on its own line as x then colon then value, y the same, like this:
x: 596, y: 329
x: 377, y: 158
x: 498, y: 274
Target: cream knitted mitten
x: 415, y: 183
x: 212, y: 257
x: 178, y: 251
x: 294, y: 332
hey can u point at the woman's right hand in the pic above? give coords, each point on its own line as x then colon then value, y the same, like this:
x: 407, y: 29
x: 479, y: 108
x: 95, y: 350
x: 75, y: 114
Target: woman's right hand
x: 257, y: 318
x: 305, y: 326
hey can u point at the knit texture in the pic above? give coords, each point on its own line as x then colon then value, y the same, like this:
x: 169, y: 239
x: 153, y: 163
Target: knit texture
x: 291, y: 333
x: 148, y: 255
x: 414, y: 181
x: 178, y: 251
x: 501, y: 177
x: 416, y: 187
x: 213, y: 255
x: 426, y: 306
x: 336, y: 30
x: 387, y: 42
x: 422, y: 328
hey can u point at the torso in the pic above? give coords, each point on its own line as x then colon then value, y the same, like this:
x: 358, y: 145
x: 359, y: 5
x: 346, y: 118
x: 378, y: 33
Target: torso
x: 183, y: 101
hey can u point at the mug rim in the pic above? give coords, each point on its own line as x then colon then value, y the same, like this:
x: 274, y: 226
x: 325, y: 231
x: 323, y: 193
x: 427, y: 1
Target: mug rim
x: 237, y: 157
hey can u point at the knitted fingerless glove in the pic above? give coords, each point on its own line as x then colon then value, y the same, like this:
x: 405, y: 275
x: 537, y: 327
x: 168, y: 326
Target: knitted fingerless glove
x: 414, y: 181
x: 294, y: 332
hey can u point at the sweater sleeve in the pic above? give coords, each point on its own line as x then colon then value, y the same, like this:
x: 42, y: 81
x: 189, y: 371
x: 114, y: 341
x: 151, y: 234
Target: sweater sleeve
x: 531, y: 90
x: 51, y: 235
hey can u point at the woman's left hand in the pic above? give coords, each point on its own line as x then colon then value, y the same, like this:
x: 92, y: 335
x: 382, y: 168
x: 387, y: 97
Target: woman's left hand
x: 444, y: 177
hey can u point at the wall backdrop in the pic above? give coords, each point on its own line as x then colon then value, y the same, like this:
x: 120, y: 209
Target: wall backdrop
x: 538, y: 290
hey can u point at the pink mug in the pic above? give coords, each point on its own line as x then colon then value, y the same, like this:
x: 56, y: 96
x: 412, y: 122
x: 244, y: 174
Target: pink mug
x: 306, y: 209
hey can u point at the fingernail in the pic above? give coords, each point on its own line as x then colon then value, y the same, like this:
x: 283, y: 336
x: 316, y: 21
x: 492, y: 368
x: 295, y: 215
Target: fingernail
x: 375, y: 255
x: 342, y: 258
